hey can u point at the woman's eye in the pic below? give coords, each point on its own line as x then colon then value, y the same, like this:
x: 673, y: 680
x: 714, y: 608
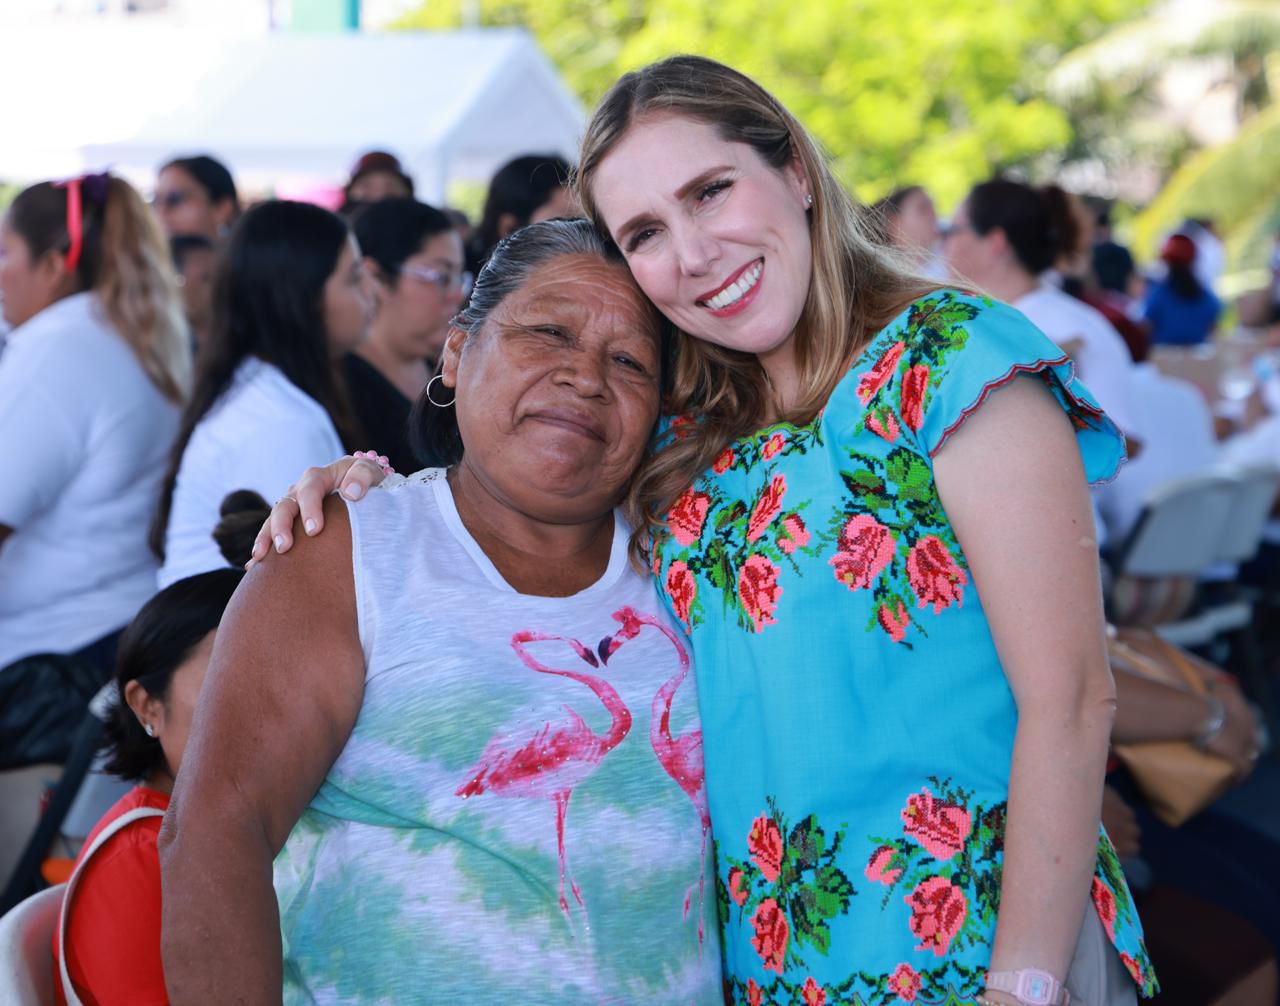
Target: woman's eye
x: 553, y: 331
x: 639, y: 238
x: 713, y: 190
x: 631, y: 364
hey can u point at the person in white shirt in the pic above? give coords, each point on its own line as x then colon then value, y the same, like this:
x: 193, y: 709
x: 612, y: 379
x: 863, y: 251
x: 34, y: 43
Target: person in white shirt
x: 291, y: 299
x: 1004, y: 237
x: 1175, y: 425
x: 96, y: 368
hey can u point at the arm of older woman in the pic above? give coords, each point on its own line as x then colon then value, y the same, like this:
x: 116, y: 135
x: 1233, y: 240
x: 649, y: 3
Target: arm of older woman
x: 351, y: 476
x: 1221, y: 722
x: 1012, y: 482
x: 278, y: 705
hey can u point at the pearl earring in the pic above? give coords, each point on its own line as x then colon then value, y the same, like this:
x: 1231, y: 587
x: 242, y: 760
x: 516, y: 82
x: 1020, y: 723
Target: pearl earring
x: 149, y: 729
x: 808, y: 200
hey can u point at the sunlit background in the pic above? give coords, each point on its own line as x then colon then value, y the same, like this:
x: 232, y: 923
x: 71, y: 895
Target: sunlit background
x: 1165, y: 108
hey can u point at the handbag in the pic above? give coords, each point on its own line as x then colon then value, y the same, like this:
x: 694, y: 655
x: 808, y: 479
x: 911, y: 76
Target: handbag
x: 43, y: 700
x: 1177, y: 778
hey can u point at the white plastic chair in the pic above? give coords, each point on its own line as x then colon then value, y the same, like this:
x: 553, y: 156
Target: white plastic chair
x: 26, y: 950
x: 1254, y: 499
x: 1181, y: 529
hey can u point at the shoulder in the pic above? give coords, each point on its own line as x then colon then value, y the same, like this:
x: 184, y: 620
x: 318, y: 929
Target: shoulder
x: 133, y: 847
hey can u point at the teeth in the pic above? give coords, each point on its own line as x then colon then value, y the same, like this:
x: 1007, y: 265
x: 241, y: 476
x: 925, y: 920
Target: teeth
x: 734, y: 293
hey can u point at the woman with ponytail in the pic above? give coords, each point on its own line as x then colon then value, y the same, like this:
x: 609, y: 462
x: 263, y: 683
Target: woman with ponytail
x: 1005, y: 237
x: 93, y: 377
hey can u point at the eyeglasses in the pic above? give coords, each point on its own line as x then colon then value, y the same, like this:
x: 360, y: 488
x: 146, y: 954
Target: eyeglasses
x: 170, y: 200
x: 444, y: 279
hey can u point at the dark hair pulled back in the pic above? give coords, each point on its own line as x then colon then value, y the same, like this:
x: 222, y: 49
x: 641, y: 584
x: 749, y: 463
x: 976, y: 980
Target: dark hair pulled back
x: 1039, y: 223
x: 157, y: 642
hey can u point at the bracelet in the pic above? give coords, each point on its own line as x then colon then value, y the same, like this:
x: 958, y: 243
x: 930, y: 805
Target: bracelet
x: 1213, y: 726
x: 378, y: 459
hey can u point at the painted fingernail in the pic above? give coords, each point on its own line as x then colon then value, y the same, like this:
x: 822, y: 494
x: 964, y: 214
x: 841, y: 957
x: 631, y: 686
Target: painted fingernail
x: 310, y: 526
x: 354, y: 491
x: 279, y: 539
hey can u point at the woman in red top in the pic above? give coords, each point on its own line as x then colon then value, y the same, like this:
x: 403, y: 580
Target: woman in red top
x: 113, y: 919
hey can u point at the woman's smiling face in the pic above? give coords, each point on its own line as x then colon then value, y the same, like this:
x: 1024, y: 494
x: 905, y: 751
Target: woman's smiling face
x: 557, y: 394
x: 715, y: 237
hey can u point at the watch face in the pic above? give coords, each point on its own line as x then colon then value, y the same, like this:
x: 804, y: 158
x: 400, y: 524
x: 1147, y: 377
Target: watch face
x: 1037, y: 988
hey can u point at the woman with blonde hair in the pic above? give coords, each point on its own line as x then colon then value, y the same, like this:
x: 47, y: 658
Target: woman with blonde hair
x: 869, y: 512
x: 91, y: 381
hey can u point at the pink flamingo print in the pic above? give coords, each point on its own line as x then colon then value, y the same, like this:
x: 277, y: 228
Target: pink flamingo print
x: 681, y: 756
x: 557, y: 757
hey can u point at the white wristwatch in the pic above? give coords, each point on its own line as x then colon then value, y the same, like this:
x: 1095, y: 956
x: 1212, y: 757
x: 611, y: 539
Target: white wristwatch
x: 1030, y: 986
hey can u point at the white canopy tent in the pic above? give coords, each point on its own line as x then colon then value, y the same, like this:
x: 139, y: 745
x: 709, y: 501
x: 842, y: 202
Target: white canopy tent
x: 277, y: 108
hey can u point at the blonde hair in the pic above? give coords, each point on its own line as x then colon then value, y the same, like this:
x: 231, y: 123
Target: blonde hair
x: 124, y: 261
x: 858, y: 284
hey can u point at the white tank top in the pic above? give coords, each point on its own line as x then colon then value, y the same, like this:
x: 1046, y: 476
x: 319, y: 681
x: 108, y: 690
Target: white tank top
x: 518, y: 815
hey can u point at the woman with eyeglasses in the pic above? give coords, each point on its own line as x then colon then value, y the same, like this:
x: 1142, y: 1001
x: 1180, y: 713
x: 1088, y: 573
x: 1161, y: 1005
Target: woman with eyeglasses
x: 196, y: 196
x: 414, y: 256
x: 91, y: 382
x: 290, y: 300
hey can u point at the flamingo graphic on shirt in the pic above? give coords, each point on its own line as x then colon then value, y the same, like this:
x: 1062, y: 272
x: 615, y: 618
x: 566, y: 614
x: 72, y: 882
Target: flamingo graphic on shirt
x: 558, y: 757
x: 680, y: 757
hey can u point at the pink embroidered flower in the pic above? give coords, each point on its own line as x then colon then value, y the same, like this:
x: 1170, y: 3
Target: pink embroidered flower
x: 905, y: 982
x: 894, y: 622
x: 772, y: 934
x: 938, y: 909
x: 765, y: 845
x: 883, y: 424
x: 688, y: 515
x: 758, y: 590
x: 878, y: 868
x: 814, y: 994
x: 914, y: 384
x: 939, y: 826
x: 934, y: 575
x: 724, y: 462
x: 683, y: 588
x: 775, y: 444
x: 767, y: 507
x: 875, y: 379
x: 1134, y: 969
x: 737, y: 889
x: 754, y: 994
x: 677, y: 426
x: 864, y: 549
x: 794, y: 534
x: 1105, y: 902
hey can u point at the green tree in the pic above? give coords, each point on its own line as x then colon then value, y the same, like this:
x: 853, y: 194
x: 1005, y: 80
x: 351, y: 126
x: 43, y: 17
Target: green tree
x: 1236, y: 184
x: 938, y: 92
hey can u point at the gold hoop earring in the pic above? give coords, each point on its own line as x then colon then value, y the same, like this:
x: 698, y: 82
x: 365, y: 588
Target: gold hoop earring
x: 439, y: 405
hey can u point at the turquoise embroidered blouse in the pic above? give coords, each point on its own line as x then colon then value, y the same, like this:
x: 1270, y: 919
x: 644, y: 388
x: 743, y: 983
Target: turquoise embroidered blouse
x: 858, y: 727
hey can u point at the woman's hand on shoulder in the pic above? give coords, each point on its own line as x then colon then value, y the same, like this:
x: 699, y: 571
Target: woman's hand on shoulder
x: 351, y: 476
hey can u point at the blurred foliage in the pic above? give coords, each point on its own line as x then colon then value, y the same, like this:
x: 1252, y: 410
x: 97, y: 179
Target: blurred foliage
x: 937, y: 92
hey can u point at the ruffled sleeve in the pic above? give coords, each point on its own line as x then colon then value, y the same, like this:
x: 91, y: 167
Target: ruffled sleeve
x: 966, y: 347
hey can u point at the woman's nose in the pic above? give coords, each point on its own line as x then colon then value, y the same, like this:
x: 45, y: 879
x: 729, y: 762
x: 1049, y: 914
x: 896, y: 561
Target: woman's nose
x: 695, y: 251
x: 583, y: 370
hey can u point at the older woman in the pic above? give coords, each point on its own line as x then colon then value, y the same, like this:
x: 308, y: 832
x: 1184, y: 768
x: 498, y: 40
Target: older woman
x: 854, y: 454
x: 484, y: 780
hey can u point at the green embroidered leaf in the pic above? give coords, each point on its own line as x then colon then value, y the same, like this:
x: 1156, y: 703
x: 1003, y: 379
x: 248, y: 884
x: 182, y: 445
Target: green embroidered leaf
x: 806, y: 844
x: 730, y: 514
x: 910, y: 475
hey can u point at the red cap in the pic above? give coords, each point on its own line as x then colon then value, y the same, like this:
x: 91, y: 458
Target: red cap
x: 1178, y: 250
